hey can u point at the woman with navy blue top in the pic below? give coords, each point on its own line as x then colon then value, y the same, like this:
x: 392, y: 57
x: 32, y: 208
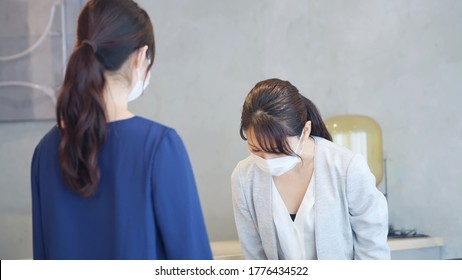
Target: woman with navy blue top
x: 107, y: 184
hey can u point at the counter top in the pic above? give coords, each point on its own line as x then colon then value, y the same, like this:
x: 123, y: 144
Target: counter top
x: 231, y: 249
x: 397, y: 244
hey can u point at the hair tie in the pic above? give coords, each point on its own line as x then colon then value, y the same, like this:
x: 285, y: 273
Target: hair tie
x: 91, y: 44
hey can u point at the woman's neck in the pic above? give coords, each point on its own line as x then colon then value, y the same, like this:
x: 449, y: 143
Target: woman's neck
x: 307, y: 156
x: 116, y: 100
x: 308, y: 149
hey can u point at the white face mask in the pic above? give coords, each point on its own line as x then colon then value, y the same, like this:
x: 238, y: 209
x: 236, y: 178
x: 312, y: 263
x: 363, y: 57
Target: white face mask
x: 139, y: 87
x: 280, y: 165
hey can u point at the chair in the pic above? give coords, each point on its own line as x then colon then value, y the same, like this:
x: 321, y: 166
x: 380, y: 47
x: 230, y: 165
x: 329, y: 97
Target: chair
x: 362, y: 135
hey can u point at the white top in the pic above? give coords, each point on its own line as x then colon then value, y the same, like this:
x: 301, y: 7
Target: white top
x: 295, y: 239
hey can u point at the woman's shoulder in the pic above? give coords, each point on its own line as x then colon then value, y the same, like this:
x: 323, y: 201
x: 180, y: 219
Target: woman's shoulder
x: 138, y: 122
x: 51, y: 138
x: 331, y: 149
x: 245, y: 170
x: 47, y: 145
x: 244, y: 165
x: 339, y: 158
x: 335, y: 156
x: 140, y: 128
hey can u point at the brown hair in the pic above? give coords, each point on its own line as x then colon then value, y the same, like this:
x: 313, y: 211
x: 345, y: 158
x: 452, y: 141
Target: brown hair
x: 275, y: 110
x: 108, y: 32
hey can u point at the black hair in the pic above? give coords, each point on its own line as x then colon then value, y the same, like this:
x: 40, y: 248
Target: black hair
x: 274, y: 110
x: 108, y: 32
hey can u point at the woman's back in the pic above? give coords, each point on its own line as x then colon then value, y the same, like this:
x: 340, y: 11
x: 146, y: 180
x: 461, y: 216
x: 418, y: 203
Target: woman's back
x: 145, y: 207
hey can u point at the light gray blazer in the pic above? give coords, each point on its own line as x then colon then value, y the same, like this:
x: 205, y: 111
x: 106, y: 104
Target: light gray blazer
x: 351, y: 215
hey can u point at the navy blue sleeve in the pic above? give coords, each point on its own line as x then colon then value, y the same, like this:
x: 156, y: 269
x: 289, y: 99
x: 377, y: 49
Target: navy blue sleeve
x: 176, y: 202
x: 37, y: 235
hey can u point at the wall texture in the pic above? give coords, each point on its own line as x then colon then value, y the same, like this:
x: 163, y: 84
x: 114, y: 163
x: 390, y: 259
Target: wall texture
x: 20, y: 27
x: 399, y: 62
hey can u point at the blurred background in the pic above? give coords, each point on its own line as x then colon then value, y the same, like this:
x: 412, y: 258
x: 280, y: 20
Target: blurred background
x: 398, y: 62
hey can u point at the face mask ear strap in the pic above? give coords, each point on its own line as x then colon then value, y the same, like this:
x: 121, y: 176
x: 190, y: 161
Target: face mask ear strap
x: 138, y: 75
x: 300, y: 141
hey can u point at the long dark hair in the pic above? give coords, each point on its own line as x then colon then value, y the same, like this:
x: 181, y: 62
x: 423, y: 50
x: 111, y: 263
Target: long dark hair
x: 275, y: 110
x: 108, y: 32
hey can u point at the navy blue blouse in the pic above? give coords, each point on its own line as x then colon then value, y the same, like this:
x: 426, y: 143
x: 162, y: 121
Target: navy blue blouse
x: 146, y: 205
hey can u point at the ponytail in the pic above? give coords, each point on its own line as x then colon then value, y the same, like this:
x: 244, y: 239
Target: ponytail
x: 82, y: 120
x: 318, y: 128
x: 108, y: 32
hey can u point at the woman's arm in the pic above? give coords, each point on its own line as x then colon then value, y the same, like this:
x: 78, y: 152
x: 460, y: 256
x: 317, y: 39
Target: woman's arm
x: 368, y: 212
x: 176, y: 202
x: 37, y: 234
x: 246, y: 226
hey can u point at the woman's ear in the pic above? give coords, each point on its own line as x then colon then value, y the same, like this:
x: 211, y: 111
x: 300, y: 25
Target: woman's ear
x: 140, y: 57
x: 306, y: 131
